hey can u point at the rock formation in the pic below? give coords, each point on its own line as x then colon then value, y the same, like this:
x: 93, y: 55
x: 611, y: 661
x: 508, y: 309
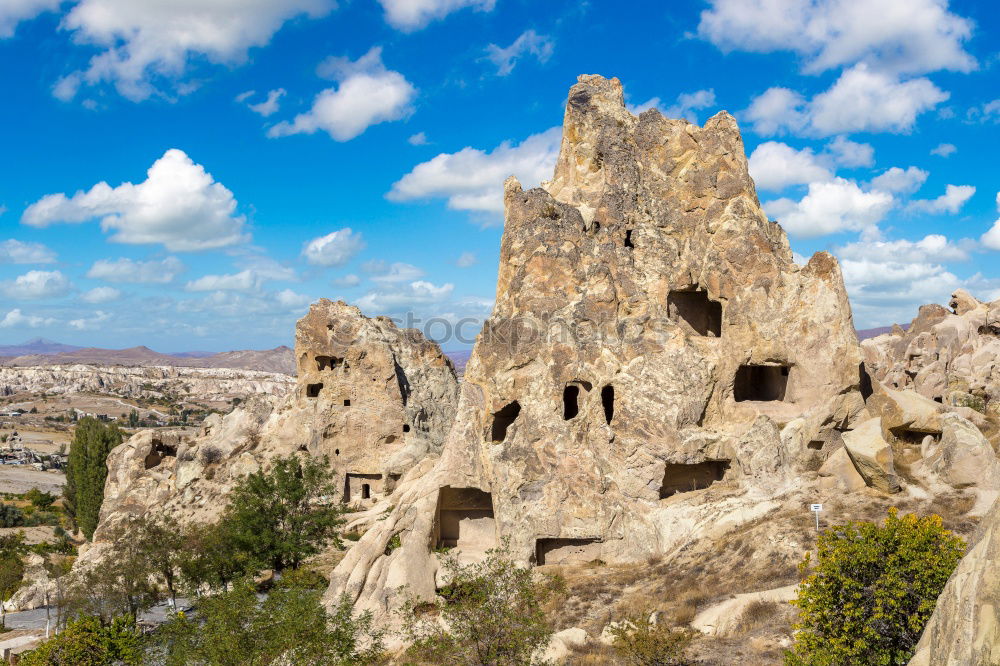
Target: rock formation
x: 950, y: 356
x: 204, y: 384
x: 372, y: 398
x: 654, y: 354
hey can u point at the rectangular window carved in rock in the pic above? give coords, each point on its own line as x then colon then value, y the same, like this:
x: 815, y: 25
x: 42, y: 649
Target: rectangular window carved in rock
x: 694, y: 307
x: 761, y: 382
x: 362, y: 487
x: 312, y: 390
x: 681, y: 478
x: 567, y: 551
x: 465, y: 520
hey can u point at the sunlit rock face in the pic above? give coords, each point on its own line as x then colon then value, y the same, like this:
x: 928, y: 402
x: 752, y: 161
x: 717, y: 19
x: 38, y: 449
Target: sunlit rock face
x: 654, y: 370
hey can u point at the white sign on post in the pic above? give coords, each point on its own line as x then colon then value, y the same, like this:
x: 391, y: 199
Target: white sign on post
x: 816, y: 508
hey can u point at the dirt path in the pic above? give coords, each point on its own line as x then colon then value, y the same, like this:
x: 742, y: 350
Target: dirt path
x: 21, y: 479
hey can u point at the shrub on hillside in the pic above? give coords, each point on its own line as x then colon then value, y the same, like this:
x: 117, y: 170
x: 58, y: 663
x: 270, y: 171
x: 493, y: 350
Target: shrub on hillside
x: 872, y: 590
x: 640, y: 642
x: 88, y: 642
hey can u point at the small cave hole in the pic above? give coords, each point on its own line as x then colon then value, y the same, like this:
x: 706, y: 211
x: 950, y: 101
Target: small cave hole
x: 362, y: 486
x: 303, y: 449
x: 312, y: 390
x: 347, y: 403
x: 628, y: 239
x: 939, y: 399
x: 682, y: 478
x: 700, y: 312
x: 158, y: 453
x: 336, y: 452
x: 366, y: 491
x: 503, y: 419
x: 406, y: 427
x: 865, y: 382
x: 571, y: 401
x: 608, y: 402
x: 761, y: 383
x: 816, y: 445
x: 328, y: 362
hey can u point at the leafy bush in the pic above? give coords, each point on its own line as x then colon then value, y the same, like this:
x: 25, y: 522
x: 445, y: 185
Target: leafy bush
x: 492, y: 614
x: 11, y: 516
x: 306, y: 579
x: 289, y: 627
x: 872, y: 590
x: 86, y: 642
x: 39, y: 499
x: 640, y: 642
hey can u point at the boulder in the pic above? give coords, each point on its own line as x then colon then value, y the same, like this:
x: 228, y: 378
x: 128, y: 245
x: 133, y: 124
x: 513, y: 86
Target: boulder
x: 965, y: 459
x: 840, y: 469
x: 562, y: 643
x: 872, y: 455
x: 905, y: 414
x: 965, y: 626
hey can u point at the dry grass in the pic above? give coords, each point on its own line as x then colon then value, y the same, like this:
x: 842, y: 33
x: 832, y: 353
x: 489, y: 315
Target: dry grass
x: 758, y: 614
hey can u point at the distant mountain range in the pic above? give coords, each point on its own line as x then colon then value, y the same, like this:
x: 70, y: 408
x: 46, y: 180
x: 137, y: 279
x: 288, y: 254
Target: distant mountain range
x: 47, y: 352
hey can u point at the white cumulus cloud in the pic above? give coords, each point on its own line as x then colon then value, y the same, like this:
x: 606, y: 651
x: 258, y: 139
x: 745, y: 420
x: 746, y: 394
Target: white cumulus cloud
x: 951, y: 201
x: 472, y: 179
x: 775, y: 165
x: 91, y: 323
x: 162, y: 271
x: 143, y: 42
x: 944, y: 150
x: 903, y: 36
x: 861, y: 100
x: 410, y: 15
x: 991, y: 238
x: 35, y: 285
x: 831, y: 207
x: 528, y: 43
x: 402, y: 297
x: 684, y: 107
x: 395, y: 272
x: 179, y: 205
x: 266, y: 108
x: 14, y: 251
x: 17, y: 319
x: 101, y: 295
x: 366, y: 94
x: 13, y: 12
x: 246, y: 280
x: 899, y: 181
x: 334, y: 249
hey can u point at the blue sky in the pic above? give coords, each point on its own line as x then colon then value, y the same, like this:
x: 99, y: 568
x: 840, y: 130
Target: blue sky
x: 191, y: 175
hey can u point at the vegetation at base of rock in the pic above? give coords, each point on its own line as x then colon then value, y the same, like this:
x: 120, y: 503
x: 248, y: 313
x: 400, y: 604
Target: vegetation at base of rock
x: 872, y: 590
x: 87, y: 641
x: 11, y: 577
x: 291, y: 626
x: 640, y: 642
x: 282, y: 516
x: 493, y: 611
x: 87, y: 470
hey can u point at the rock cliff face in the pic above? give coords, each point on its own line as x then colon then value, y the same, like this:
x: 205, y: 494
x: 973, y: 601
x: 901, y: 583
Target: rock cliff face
x: 951, y: 356
x: 211, y: 384
x: 654, y: 353
x: 372, y: 398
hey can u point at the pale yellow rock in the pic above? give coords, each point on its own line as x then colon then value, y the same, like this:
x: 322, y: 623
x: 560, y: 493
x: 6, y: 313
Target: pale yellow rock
x: 840, y: 467
x: 872, y: 455
x: 723, y: 619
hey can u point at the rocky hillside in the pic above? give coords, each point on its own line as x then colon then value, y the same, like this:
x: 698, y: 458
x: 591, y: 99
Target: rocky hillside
x: 153, y: 382
x: 279, y: 359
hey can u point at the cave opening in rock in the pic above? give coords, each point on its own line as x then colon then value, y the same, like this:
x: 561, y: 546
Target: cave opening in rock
x: 406, y: 428
x: 700, y: 312
x: 328, y: 362
x: 347, y: 402
x: 312, y: 390
x: 628, y: 239
x: 816, y: 445
x: 913, y: 437
x: 682, y: 478
x: 362, y: 487
x: 503, y: 419
x: 157, y: 453
x: 571, y: 401
x: 761, y: 382
x: 567, y: 551
x: 864, y: 382
x: 608, y: 402
x: 465, y: 520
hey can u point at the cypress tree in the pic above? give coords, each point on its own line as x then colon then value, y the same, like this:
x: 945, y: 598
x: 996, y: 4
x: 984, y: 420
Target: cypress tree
x: 86, y: 471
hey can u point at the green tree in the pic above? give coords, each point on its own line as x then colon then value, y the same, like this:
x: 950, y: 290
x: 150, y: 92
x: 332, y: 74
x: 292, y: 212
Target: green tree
x: 87, y: 470
x: 155, y: 543
x: 39, y: 499
x: 491, y: 614
x: 88, y: 642
x: 872, y: 590
x: 11, y: 577
x: 133, y: 419
x: 284, y: 515
x: 209, y: 558
x: 291, y: 626
x: 116, y: 586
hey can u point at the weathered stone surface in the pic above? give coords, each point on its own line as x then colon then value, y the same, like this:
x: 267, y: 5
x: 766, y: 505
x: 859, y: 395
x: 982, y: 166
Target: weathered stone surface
x: 950, y: 357
x: 724, y: 619
x: 562, y: 642
x: 965, y: 459
x: 872, y: 455
x: 387, y: 399
x: 965, y: 627
x: 840, y: 469
x: 906, y: 415
x: 651, y: 337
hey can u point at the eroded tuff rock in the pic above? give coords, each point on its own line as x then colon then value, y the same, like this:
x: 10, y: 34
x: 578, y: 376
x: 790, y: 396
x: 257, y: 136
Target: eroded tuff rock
x: 965, y: 626
x: 372, y: 398
x: 656, y: 369
x: 952, y: 357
